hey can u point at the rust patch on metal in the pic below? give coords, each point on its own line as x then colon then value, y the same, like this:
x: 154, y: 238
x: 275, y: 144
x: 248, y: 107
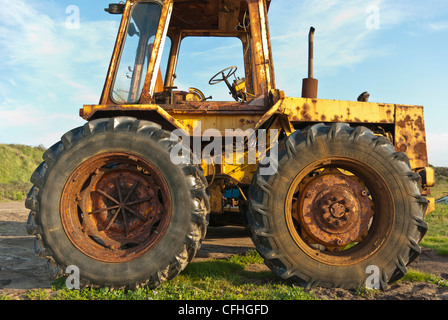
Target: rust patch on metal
x: 122, y: 207
x: 334, y: 209
x: 305, y: 112
x: 419, y: 124
x: 410, y: 136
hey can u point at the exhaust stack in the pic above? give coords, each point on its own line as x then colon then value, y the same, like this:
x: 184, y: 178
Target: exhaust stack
x: 310, y: 85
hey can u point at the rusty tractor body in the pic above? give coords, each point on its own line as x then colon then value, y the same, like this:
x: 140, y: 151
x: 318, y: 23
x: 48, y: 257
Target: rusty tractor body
x: 349, y: 189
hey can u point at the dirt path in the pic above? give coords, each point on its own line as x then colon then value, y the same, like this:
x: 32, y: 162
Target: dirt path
x: 21, y: 270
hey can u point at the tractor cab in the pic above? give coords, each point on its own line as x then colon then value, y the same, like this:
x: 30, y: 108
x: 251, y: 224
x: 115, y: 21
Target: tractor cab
x: 144, y: 67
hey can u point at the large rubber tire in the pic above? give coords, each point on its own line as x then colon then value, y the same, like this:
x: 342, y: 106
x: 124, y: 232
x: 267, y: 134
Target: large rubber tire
x: 186, y: 220
x: 393, y: 236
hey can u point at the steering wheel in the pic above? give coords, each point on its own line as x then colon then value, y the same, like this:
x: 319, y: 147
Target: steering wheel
x: 225, y: 74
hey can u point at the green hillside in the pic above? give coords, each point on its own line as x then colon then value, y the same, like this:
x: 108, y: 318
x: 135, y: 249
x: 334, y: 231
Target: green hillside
x: 441, y: 174
x: 17, y: 163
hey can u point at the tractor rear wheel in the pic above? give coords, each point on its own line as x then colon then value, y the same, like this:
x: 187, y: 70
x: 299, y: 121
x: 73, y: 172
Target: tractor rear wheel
x: 343, y: 205
x: 109, y: 201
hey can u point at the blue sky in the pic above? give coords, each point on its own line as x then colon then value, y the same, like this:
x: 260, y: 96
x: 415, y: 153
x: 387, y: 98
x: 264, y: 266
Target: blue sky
x: 48, y: 70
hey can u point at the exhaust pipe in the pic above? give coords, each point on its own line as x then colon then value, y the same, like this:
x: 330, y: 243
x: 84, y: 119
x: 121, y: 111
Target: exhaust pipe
x: 310, y: 85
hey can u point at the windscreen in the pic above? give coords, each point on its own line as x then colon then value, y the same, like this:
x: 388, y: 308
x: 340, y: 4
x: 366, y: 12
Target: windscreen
x: 134, y: 60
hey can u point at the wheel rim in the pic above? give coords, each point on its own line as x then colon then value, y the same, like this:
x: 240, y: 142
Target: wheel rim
x: 115, y: 207
x: 339, y: 211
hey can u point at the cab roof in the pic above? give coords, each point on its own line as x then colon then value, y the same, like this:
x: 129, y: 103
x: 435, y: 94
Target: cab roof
x: 210, y: 15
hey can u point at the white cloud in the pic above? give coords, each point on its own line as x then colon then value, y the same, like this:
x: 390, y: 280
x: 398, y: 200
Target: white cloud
x: 438, y: 26
x: 438, y: 148
x: 38, y: 51
x: 342, y: 40
x: 34, y: 126
x: 48, y: 71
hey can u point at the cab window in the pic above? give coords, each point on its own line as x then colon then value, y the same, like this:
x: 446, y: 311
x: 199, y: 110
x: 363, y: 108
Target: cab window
x: 133, y: 65
x: 202, y: 59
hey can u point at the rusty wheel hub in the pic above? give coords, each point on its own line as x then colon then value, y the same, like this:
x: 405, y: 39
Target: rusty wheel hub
x: 335, y: 209
x: 115, y: 207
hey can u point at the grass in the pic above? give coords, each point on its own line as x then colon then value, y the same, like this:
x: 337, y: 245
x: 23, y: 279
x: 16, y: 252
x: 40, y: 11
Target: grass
x: 440, y: 190
x: 418, y: 276
x: 213, y: 280
x: 437, y: 236
x: 17, y: 163
x: 210, y: 280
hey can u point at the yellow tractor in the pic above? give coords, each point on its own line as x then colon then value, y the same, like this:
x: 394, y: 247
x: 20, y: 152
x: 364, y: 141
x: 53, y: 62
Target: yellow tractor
x: 328, y: 190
